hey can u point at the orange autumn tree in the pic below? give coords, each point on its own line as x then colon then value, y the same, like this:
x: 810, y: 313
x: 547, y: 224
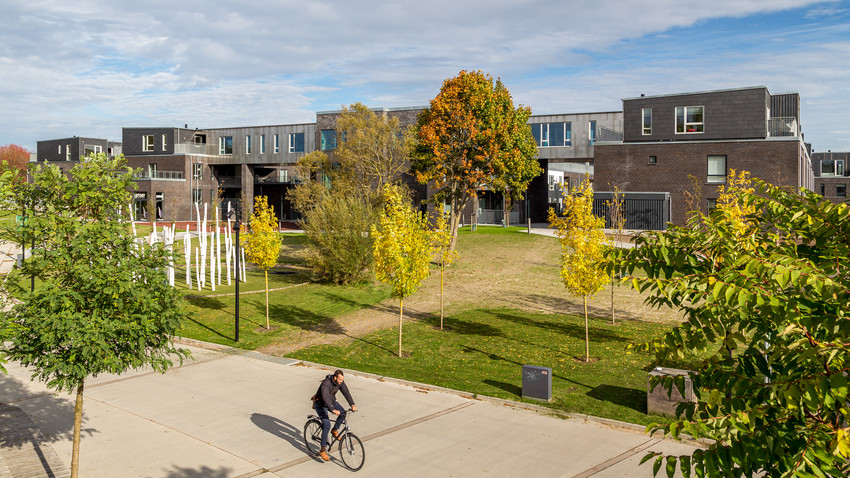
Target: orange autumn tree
x: 15, y: 158
x: 470, y: 136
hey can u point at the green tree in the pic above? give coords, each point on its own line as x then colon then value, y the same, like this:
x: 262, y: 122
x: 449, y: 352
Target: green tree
x: 763, y: 285
x: 262, y: 244
x: 471, y: 136
x: 104, y: 305
x: 583, y: 247
x: 617, y: 216
x: 402, y: 248
x: 442, y: 239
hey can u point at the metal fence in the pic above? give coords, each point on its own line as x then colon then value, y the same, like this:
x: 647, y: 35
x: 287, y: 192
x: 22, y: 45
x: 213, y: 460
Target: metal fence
x: 495, y: 216
x: 643, y: 211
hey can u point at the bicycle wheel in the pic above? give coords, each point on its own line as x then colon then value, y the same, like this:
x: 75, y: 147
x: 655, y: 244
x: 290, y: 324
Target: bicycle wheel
x: 313, y: 436
x: 352, y: 452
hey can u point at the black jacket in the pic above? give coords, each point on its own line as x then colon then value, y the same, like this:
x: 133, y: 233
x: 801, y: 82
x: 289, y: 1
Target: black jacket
x: 327, y: 392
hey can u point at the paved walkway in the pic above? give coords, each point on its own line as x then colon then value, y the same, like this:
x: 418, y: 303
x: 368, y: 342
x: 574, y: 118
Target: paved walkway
x: 238, y: 414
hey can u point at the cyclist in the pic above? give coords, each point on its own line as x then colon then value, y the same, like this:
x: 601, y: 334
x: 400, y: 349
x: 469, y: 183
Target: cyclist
x: 325, y: 400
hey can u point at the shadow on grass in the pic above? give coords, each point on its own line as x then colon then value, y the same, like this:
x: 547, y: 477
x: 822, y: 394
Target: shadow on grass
x: 508, y: 387
x: 560, y: 327
x: 205, y: 302
x: 303, y: 319
x: 492, y: 356
x: 566, y: 306
x: 205, y: 326
x: 622, y: 396
x: 373, y: 344
x: 464, y: 327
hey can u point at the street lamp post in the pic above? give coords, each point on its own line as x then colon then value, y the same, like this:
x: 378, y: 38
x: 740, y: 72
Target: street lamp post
x: 236, y: 226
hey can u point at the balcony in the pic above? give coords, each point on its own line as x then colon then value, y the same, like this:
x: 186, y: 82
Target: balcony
x: 196, y: 148
x: 159, y: 175
x: 782, y: 126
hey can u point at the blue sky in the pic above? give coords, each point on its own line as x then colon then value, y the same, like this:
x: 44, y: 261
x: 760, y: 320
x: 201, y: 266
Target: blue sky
x: 87, y: 68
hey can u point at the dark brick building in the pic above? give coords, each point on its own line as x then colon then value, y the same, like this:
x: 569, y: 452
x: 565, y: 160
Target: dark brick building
x: 831, y: 175
x: 669, y: 139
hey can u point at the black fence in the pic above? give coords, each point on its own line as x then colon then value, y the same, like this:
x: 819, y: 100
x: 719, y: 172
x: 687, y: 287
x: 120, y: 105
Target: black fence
x: 643, y: 211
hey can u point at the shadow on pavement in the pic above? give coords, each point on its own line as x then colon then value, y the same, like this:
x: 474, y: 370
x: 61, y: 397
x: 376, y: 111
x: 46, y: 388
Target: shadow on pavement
x: 281, y: 429
x: 203, y: 472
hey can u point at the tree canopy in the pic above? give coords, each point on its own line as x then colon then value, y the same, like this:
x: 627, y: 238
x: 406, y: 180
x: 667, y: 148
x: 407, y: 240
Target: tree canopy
x: 103, y: 305
x: 470, y: 136
x: 15, y: 158
x: 763, y: 284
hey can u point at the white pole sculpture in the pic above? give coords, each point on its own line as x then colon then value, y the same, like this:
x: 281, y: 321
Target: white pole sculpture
x: 228, y: 243
x: 187, y: 254
x: 242, y: 249
x: 212, y: 260
x: 197, y: 269
x: 218, y: 244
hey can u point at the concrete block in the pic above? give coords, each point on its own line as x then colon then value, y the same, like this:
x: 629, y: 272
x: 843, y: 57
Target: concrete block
x: 658, y: 402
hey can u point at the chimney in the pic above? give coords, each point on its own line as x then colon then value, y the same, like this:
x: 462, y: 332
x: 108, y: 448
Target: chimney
x: 186, y: 126
x: 642, y: 95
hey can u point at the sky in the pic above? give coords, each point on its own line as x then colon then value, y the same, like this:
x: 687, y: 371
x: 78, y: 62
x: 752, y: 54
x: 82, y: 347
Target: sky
x: 90, y: 67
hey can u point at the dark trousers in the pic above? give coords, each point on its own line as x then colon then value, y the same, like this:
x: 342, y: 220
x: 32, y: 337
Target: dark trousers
x: 322, y: 411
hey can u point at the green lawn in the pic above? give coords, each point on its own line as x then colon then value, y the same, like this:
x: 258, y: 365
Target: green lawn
x: 482, y: 351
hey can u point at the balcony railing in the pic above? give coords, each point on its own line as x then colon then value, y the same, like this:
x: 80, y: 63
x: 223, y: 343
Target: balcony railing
x: 782, y: 126
x: 196, y: 148
x: 151, y: 175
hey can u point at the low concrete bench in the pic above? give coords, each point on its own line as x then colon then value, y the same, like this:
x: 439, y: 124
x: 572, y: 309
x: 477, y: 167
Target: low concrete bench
x: 658, y: 402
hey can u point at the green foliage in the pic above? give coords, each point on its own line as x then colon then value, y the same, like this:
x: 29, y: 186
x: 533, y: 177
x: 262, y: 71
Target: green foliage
x: 472, y: 135
x: 763, y: 284
x: 402, y: 248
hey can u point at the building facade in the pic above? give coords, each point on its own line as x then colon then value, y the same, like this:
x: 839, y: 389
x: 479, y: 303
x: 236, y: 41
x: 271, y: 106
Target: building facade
x: 831, y: 175
x: 686, y: 145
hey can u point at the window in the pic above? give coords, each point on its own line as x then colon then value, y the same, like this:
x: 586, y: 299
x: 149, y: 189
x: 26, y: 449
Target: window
x: 552, y: 134
x: 200, y: 138
x: 841, y: 190
x: 197, y: 171
x: 830, y: 167
x: 283, y: 176
x: 822, y: 189
x: 164, y: 142
x: 689, y: 119
x: 67, y: 152
x: 647, y: 120
x: 152, y: 170
x: 592, y: 127
x: 653, y: 160
x: 712, y: 204
x: 328, y: 139
x: 147, y: 142
x: 91, y: 149
x: 716, y: 169
x: 276, y: 143
x: 248, y: 144
x: 60, y: 150
x: 160, y: 200
x: 296, y: 142
x: 196, y: 196
x: 225, y: 145
x: 262, y: 144
x: 140, y: 205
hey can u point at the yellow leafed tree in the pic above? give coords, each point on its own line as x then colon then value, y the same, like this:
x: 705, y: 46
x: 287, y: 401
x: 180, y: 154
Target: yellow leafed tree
x: 402, y: 248
x: 442, y: 243
x: 262, y: 244
x: 583, y: 246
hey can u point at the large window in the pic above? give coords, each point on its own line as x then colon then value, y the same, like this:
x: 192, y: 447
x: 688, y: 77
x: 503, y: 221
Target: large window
x: 91, y: 149
x: 196, y: 196
x: 646, y: 113
x: 197, y: 171
x: 225, y: 145
x: 67, y: 152
x: 283, y: 175
x: 164, y: 142
x: 248, y: 144
x: 716, y: 169
x: 328, y: 139
x: 147, y: 142
x: 841, y: 190
x: 262, y: 144
x: 276, y: 143
x: 592, y: 128
x: 832, y: 167
x: 689, y: 119
x: 140, y: 205
x: 552, y: 134
x: 296, y: 142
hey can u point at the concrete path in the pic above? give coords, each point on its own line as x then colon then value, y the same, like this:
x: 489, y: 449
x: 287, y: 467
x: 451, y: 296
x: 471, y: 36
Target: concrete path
x: 238, y: 414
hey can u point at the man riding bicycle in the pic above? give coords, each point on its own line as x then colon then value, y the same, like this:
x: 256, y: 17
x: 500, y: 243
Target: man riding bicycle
x: 325, y: 400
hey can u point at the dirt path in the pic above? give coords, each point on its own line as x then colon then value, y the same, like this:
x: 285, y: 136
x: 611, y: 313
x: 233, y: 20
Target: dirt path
x: 524, y: 277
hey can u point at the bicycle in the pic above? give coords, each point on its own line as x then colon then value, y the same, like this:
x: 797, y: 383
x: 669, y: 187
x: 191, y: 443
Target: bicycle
x: 350, y: 447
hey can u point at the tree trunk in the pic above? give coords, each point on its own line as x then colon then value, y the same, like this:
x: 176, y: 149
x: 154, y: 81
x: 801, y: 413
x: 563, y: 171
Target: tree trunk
x: 267, y: 299
x: 586, y: 334
x: 507, y: 208
x: 78, y: 424
x: 454, y: 219
x: 613, y: 321
x: 441, y: 296
x: 400, y: 316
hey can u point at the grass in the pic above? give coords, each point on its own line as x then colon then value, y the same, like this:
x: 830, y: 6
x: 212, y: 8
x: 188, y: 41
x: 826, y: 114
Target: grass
x: 482, y: 351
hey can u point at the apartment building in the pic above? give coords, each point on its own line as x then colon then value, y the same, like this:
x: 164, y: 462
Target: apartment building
x: 689, y: 142
x: 66, y: 152
x: 831, y: 175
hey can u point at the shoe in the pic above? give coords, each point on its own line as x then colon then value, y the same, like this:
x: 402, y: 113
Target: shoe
x: 335, y: 433
x: 324, y: 455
